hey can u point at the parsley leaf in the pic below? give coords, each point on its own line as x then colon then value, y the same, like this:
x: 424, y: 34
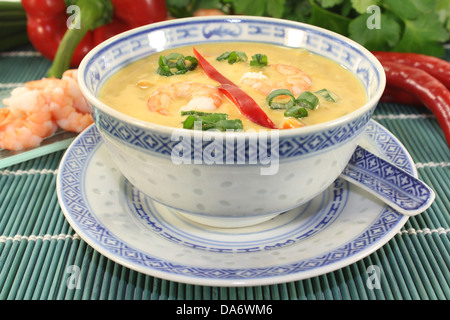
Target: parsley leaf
x: 423, y: 35
x: 361, y: 5
x: 250, y: 7
x: 328, y: 19
x: 273, y: 8
x: 421, y: 26
x: 443, y: 11
x: 410, y: 9
x: 329, y: 3
x: 384, y: 38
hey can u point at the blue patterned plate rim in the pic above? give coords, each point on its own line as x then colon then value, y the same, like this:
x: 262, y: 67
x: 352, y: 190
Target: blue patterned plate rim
x: 74, y: 203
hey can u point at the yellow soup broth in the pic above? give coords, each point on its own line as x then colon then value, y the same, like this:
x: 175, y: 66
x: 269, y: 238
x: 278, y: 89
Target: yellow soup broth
x: 129, y: 89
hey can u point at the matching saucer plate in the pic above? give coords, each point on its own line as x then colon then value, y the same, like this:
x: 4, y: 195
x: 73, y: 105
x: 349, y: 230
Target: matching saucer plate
x: 337, y: 228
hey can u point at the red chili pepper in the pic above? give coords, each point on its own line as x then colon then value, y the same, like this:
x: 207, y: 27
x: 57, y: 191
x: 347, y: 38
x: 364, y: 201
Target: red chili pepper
x: 433, y: 94
x: 438, y: 68
x: 247, y: 105
x: 210, y: 70
x: 242, y: 100
x: 396, y: 95
x: 99, y: 20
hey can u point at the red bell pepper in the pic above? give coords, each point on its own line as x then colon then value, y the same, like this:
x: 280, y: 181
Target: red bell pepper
x: 99, y: 20
x: 242, y: 100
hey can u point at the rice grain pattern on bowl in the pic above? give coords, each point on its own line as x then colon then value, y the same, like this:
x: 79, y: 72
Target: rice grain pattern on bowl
x: 229, y: 179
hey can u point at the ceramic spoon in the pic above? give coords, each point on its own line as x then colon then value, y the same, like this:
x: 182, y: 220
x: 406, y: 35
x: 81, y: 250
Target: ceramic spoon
x: 397, y: 188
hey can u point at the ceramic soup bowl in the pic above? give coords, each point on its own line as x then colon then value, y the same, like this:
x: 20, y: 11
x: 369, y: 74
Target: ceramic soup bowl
x: 229, y: 179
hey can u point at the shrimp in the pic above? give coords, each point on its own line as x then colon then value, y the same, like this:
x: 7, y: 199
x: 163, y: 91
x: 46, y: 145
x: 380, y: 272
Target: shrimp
x: 295, y: 80
x: 69, y: 85
x: 200, y: 96
x: 36, y: 110
x: 67, y: 104
x: 27, y: 123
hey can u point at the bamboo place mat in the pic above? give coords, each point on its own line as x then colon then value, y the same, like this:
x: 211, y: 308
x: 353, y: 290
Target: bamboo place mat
x: 37, y: 243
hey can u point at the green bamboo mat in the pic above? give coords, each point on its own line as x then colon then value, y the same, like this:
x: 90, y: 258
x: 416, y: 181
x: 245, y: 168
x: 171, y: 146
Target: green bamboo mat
x: 37, y: 245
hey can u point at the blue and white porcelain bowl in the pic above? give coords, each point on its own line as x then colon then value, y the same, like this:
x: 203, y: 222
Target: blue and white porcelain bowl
x: 250, y: 184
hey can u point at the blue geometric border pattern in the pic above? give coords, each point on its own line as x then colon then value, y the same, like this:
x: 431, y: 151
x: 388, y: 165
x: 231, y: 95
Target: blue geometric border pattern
x: 388, y: 146
x: 327, y: 215
x: 152, y: 142
x: 72, y: 191
x: 388, y: 180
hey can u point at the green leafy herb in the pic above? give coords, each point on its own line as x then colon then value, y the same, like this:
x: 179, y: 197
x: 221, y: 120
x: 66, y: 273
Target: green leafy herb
x: 259, y: 60
x: 233, y: 57
x: 423, y: 35
x: 328, y: 19
x: 421, y: 26
x: 377, y: 38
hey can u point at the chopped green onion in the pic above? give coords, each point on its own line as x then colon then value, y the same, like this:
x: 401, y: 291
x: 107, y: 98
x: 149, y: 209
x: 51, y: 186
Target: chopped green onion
x: 259, y: 60
x: 201, y: 113
x: 163, y: 68
x: 189, y: 122
x: 327, y: 95
x: 210, y: 121
x: 296, y: 112
x: 308, y: 100
x: 223, y: 125
x: 214, y: 117
x: 232, y: 56
x: 280, y: 105
x: 176, y: 63
x: 172, y: 58
x: 192, y: 63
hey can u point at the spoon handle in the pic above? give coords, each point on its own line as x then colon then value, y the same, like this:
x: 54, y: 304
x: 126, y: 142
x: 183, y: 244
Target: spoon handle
x: 397, y: 188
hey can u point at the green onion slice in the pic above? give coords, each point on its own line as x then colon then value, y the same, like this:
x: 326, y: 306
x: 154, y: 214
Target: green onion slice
x: 234, y: 124
x: 259, y: 60
x: 210, y: 121
x: 233, y: 57
x: 327, y: 95
x: 220, y: 116
x: 176, y: 63
x: 308, y: 100
x: 296, y: 112
x: 279, y: 105
x: 189, y: 122
x: 163, y: 67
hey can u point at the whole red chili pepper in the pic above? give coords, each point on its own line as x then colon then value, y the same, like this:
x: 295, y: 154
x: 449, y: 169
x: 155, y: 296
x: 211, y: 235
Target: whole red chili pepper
x: 433, y: 94
x: 47, y: 26
x: 242, y: 100
x: 438, y: 68
x: 396, y: 95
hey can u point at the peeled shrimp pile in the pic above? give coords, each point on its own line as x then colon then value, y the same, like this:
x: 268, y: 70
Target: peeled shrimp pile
x: 36, y: 110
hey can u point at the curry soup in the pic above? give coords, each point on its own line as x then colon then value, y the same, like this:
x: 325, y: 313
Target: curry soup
x: 287, y: 68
